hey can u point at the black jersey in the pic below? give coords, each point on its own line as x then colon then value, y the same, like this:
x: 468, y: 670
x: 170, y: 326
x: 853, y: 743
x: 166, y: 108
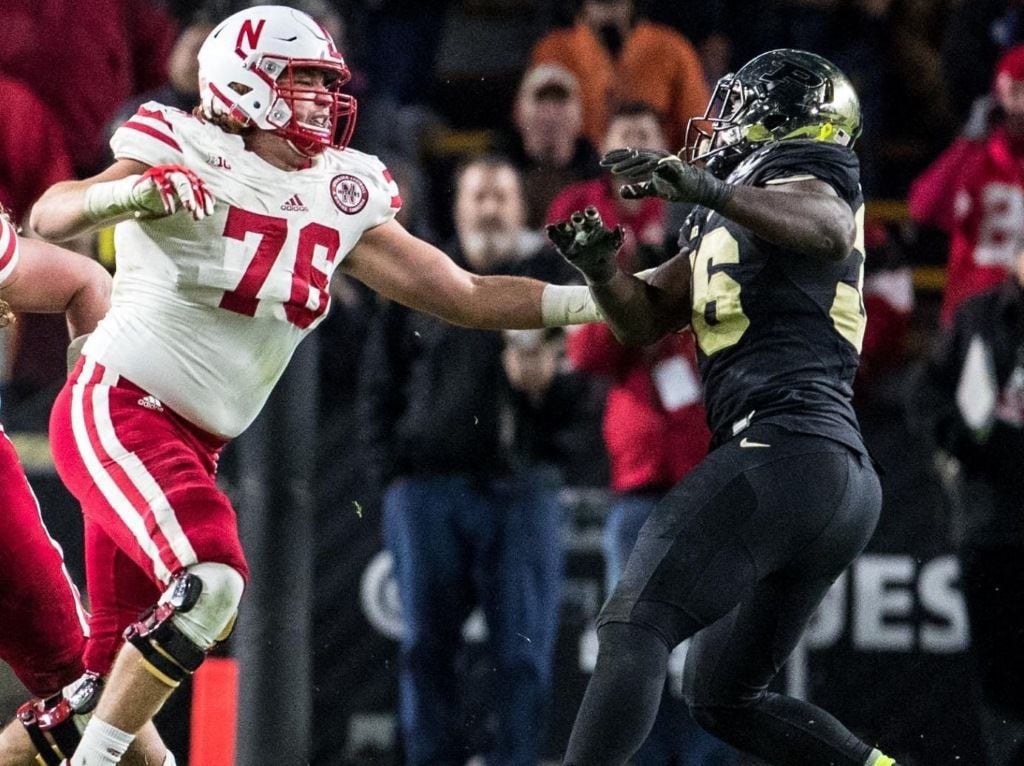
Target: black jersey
x: 779, y: 333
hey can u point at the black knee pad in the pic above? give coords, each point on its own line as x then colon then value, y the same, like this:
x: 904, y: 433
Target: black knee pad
x: 167, y: 653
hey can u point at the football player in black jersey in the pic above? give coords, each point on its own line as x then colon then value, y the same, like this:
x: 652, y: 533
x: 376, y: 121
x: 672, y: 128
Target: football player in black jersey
x: 742, y: 550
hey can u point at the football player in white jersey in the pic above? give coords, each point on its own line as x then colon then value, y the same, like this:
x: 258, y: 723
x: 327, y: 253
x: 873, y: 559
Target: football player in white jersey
x: 231, y: 222
x: 42, y: 622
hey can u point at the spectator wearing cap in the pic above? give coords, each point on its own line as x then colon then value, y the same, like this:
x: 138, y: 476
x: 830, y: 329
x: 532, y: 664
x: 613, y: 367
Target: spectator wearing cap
x: 974, y: 191
x: 549, y: 147
x: 617, y: 56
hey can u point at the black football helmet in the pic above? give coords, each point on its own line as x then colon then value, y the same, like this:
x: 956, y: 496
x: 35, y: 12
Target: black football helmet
x: 778, y: 95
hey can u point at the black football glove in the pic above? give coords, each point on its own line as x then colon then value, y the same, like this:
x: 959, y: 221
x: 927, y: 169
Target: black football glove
x: 657, y: 173
x: 585, y: 243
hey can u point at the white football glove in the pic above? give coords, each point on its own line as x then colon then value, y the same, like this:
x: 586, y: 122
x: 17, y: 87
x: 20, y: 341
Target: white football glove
x: 159, y: 192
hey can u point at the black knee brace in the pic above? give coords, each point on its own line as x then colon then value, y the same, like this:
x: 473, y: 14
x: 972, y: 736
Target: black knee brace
x: 167, y: 653
x: 50, y: 723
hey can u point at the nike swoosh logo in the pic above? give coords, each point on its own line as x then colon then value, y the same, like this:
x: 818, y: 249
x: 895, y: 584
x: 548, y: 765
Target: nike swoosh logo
x: 745, y: 443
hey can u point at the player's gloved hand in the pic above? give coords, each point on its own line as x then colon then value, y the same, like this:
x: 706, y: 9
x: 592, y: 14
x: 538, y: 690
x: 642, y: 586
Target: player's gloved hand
x: 160, y: 191
x: 657, y: 173
x: 584, y: 241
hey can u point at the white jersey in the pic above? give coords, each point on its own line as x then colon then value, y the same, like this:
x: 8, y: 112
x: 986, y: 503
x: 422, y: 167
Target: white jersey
x: 205, y: 315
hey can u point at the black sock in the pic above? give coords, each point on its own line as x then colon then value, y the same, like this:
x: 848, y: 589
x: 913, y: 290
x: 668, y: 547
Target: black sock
x: 622, y: 698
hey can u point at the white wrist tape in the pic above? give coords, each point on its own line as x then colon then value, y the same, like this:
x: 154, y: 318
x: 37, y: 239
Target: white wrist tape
x: 111, y: 200
x: 562, y: 305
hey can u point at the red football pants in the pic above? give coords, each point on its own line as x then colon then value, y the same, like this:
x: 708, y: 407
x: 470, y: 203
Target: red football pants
x: 42, y: 624
x: 146, y: 480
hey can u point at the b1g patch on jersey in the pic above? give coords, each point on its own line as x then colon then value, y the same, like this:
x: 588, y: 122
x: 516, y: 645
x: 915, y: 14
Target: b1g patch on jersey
x: 349, y: 193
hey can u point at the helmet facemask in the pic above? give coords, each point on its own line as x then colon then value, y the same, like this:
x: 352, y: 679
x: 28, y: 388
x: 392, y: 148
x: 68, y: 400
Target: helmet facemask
x: 716, y: 137
x: 333, y: 129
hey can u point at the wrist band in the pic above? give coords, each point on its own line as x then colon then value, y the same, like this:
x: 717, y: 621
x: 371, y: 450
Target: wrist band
x: 562, y: 305
x: 109, y: 200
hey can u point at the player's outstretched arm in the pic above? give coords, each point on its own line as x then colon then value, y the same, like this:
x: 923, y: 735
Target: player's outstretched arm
x: 806, y: 216
x: 51, y: 280
x: 639, y: 308
x: 408, y: 270
x: 127, y: 189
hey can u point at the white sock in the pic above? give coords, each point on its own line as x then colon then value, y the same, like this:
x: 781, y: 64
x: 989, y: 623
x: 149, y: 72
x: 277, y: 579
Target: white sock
x: 101, y: 745
x: 169, y: 759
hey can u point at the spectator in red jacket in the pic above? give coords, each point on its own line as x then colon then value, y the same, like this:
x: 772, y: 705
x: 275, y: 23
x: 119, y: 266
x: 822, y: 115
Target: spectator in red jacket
x: 654, y: 426
x: 975, y: 190
x: 33, y: 156
x: 631, y: 124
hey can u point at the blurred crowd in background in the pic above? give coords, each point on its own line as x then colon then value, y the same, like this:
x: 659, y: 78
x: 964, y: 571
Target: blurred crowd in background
x: 537, y: 81
x: 491, y: 115
x: 541, y: 82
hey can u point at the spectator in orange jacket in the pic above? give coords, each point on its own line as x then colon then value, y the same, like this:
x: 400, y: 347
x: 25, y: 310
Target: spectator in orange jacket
x: 617, y: 56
